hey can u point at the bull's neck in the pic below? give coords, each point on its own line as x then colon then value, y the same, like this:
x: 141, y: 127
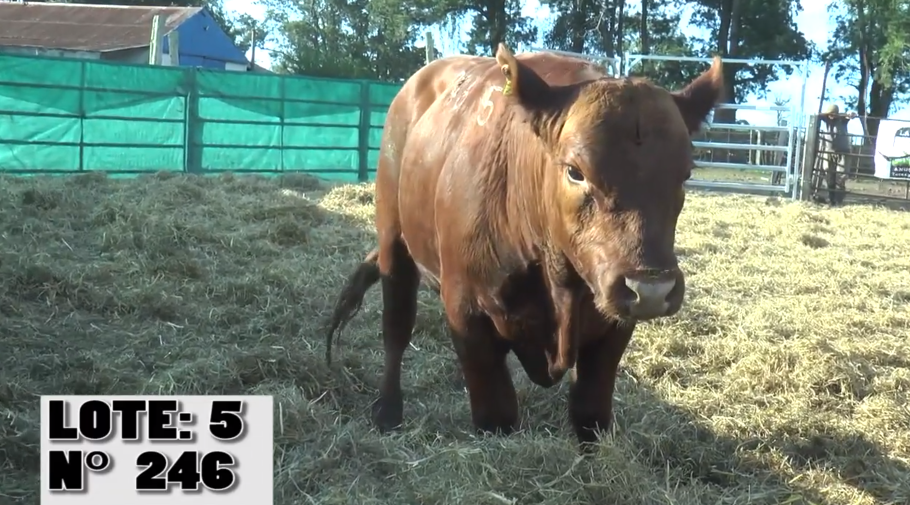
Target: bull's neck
x: 526, y: 194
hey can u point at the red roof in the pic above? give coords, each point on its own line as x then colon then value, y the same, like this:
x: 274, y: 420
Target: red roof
x: 81, y: 27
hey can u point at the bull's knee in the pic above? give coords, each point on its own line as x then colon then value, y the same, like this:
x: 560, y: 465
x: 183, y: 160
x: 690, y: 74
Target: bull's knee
x: 482, y: 356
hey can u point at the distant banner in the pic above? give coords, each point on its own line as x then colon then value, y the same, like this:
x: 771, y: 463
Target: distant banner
x: 892, y: 150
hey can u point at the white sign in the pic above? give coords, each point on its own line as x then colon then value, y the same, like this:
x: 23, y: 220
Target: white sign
x: 182, y: 450
x: 892, y: 150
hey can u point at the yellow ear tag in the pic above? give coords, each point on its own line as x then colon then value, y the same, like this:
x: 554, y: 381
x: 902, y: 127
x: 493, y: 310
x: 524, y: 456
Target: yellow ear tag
x: 507, y: 89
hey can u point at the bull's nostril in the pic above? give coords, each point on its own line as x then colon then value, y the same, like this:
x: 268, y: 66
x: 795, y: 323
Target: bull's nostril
x: 650, y: 296
x: 625, y: 293
x: 675, y: 292
x: 650, y: 290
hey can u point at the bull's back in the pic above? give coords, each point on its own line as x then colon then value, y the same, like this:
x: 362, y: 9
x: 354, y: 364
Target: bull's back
x: 427, y: 123
x: 429, y: 84
x: 421, y: 127
x: 441, y: 100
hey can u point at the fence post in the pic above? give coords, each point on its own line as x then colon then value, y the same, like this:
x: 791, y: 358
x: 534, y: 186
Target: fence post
x: 82, y: 116
x: 282, y: 151
x: 429, y: 46
x: 363, y: 146
x: 156, y: 39
x: 192, y: 137
x: 809, y: 157
x: 173, y: 48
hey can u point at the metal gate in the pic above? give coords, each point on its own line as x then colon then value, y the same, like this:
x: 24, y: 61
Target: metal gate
x: 785, y: 155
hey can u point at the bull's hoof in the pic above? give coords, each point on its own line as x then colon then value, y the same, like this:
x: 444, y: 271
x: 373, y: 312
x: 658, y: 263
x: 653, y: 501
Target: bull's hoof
x: 459, y: 384
x: 495, y: 427
x: 387, y: 414
x: 588, y: 438
x: 588, y: 430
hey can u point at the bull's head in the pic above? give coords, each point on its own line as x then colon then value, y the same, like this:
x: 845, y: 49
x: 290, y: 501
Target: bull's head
x: 618, y: 152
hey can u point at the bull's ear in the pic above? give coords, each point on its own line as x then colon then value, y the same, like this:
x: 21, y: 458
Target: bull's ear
x: 696, y: 100
x: 520, y: 81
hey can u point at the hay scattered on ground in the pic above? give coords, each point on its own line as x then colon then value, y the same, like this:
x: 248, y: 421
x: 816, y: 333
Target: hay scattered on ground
x: 784, y: 380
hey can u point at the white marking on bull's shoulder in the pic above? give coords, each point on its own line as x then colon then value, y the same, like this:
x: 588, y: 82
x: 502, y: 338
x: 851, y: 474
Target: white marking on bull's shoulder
x: 391, y: 150
x: 462, y: 77
x: 462, y: 86
x: 456, y: 85
x: 487, y: 105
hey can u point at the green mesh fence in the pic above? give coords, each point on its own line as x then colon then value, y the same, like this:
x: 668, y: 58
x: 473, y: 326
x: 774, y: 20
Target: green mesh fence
x: 66, y: 115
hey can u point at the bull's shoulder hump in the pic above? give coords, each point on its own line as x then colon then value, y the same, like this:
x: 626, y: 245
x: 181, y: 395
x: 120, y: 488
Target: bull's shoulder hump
x: 440, y: 77
x: 446, y: 68
x: 561, y: 69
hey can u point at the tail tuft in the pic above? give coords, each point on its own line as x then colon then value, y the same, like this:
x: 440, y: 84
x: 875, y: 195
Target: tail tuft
x: 351, y: 298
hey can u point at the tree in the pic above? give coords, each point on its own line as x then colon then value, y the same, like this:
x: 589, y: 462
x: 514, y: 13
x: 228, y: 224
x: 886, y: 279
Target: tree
x: 248, y: 31
x: 346, y: 38
x: 492, y: 22
x: 574, y: 27
x: 608, y: 29
x: 750, y: 29
x: 657, y: 32
x: 869, y: 49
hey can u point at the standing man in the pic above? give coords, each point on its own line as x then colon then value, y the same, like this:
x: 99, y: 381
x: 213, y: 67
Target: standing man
x: 840, y: 146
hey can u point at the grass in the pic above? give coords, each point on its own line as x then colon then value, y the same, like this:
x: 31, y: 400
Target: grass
x: 784, y: 380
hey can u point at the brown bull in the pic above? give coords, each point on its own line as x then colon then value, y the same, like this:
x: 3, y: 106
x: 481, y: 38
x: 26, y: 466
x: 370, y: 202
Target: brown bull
x: 539, y: 197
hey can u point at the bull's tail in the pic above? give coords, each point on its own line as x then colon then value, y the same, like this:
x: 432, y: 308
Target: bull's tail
x: 351, y: 297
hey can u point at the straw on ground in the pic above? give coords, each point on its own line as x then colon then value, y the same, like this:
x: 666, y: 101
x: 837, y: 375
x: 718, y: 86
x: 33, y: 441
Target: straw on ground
x: 784, y: 379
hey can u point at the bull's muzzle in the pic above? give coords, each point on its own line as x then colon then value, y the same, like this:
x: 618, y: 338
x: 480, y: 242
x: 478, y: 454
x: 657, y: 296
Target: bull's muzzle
x: 647, y: 295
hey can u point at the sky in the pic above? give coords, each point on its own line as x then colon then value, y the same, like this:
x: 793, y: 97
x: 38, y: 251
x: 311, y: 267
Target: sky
x: 813, y: 21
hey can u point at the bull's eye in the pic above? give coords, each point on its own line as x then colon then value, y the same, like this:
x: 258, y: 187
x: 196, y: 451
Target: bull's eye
x: 574, y: 175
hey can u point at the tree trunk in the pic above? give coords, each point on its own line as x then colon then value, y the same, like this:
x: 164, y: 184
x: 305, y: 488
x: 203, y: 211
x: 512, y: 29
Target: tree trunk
x: 496, y: 20
x: 727, y: 45
x: 620, y: 33
x: 577, y: 33
x: 643, y: 36
x: 880, y: 100
x: 607, y: 22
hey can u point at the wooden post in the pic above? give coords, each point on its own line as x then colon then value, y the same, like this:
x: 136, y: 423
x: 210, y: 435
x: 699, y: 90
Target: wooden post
x: 363, y: 142
x: 821, y: 97
x: 810, y: 153
x: 156, y: 40
x: 253, y: 49
x: 430, y: 47
x: 173, y: 48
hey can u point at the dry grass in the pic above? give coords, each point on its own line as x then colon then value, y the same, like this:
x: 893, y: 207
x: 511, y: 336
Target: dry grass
x: 784, y: 380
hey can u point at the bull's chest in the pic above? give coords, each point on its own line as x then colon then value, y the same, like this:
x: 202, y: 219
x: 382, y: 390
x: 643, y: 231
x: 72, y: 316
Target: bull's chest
x: 527, y: 310
x: 528, y: 313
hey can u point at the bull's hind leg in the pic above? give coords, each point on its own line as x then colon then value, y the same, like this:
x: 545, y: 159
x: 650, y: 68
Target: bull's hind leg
x: 482, y: 355
x: 400, y: 281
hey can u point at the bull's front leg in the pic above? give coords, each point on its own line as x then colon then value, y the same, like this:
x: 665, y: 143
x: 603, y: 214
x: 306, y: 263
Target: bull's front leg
x: 482, y: 355
x: 591, y: 393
